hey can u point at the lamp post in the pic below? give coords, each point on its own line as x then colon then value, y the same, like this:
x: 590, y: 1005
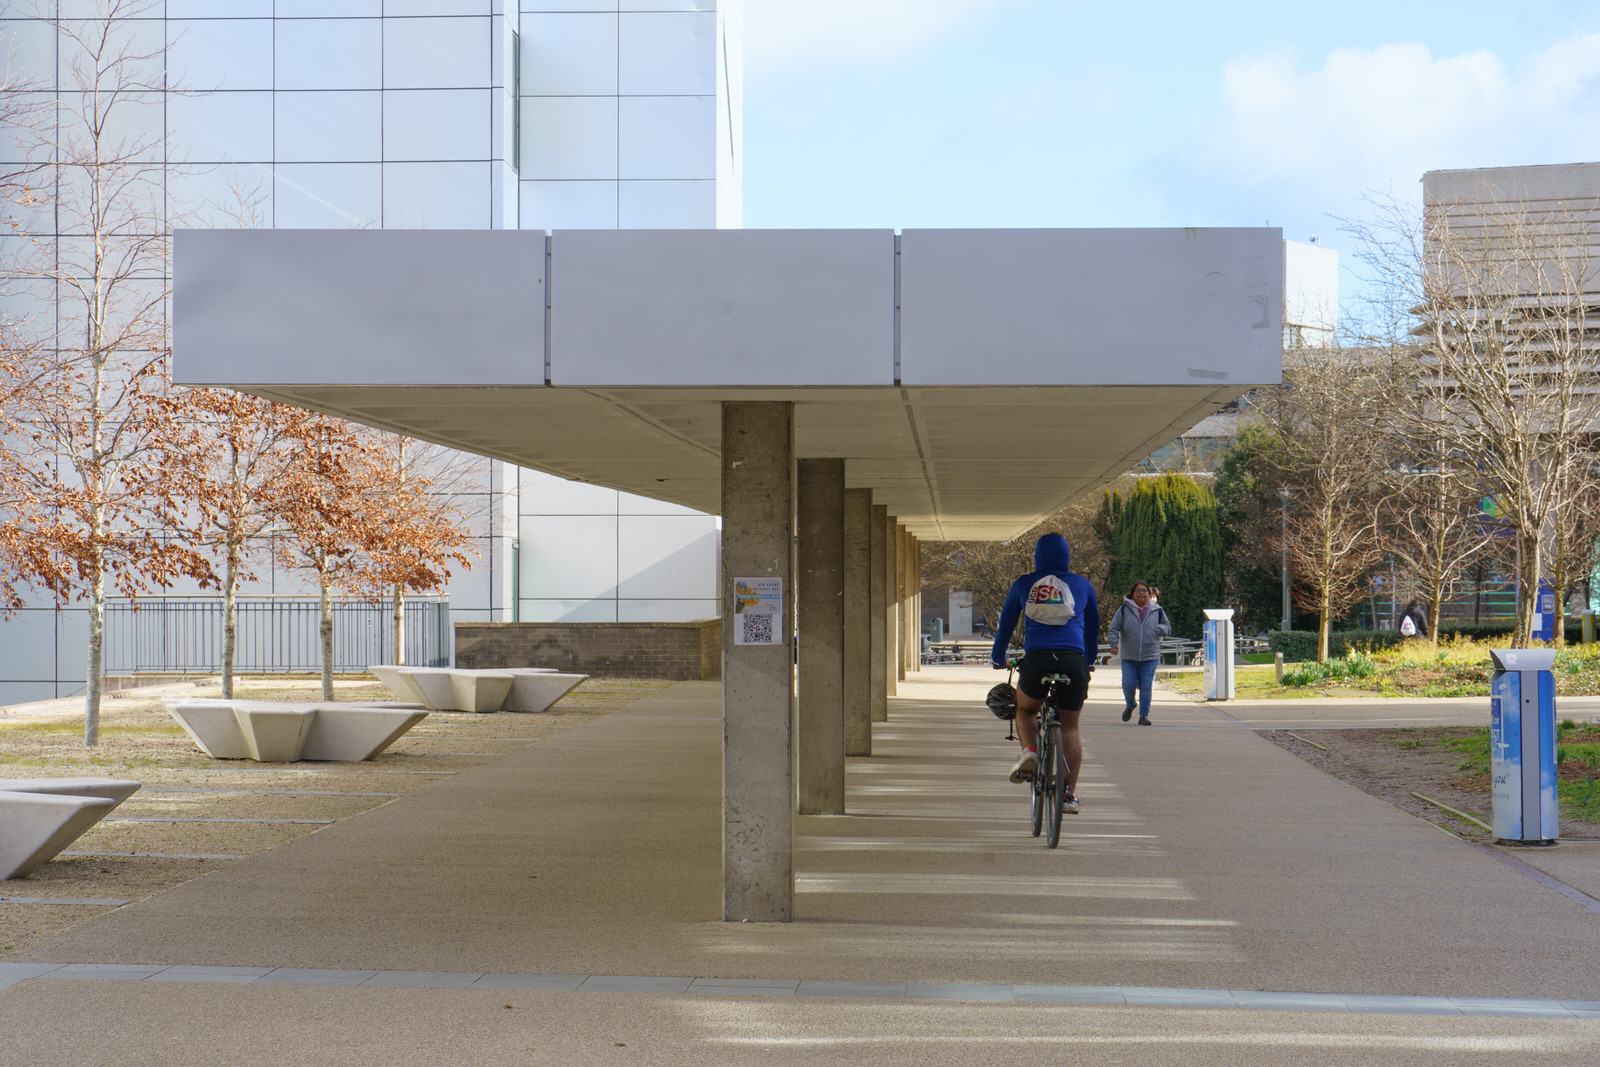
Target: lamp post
x: 1283, y: 495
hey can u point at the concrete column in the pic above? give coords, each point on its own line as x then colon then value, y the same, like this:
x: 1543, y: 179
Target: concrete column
x: 857, y: 622
x: 902, y: 561
x: 891, y: 605
x: 820, y: 629
x: 916, y: 599
x: 757, y: 680
x: 879, y: 621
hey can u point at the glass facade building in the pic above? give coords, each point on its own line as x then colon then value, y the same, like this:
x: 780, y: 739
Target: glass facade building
x: 438, y: 114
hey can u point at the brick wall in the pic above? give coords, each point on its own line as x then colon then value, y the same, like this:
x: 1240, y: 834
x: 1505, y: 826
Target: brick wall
x: 682, y: 651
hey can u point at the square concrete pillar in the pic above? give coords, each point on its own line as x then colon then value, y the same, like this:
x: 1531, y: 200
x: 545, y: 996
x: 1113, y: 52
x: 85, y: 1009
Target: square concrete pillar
x: 819, y: 628
x: 879, y: 621
x: 857, y: 622
x: 892, y: 672
x: 757, y: 679
x: 902, y: 562
x: 916, y: 603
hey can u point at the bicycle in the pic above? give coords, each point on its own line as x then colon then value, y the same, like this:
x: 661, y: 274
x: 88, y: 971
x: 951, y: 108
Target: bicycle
x: 1048, y: 784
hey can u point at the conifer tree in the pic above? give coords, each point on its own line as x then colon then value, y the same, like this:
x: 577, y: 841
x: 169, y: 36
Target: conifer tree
x: 1166, y: 533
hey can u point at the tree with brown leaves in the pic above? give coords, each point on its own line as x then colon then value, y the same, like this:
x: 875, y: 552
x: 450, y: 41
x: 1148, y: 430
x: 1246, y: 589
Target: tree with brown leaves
x: 419, y: 528
x: 92, y: 415
x: 225, y: 457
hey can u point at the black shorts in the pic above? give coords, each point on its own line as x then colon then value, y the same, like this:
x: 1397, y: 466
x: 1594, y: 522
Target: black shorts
x: 1035, y: 665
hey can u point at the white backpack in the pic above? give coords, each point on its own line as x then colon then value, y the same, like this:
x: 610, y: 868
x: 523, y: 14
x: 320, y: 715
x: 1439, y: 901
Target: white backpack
x: 1050, y: 602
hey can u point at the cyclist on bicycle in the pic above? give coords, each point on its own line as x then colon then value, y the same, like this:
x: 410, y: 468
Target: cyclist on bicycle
x: 1062, y: 637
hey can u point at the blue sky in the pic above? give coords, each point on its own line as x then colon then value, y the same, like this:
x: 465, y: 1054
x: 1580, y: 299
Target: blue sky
x: 908, y: 113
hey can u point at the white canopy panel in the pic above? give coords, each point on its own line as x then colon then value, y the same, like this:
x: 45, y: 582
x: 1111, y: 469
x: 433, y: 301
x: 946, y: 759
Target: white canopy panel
x: 974, y: 380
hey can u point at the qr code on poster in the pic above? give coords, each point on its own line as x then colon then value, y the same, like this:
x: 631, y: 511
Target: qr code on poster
x: 756, y: 629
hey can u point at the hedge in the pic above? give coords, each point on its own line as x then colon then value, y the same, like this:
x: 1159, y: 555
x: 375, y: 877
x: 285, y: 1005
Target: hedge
x: 1301, y: 645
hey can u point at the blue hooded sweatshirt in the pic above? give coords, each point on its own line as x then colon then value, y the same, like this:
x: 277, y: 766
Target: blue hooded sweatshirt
x: 1081, y: 633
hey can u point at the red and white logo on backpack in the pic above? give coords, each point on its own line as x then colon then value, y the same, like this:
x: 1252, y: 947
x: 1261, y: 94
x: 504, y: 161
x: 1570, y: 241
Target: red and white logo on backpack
x: 1050, y: 602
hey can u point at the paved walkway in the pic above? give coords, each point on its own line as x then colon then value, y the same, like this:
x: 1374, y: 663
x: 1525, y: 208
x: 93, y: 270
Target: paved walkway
x: 1218, y: 901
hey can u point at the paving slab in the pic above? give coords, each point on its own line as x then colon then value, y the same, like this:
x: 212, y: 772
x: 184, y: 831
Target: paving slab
x: 1210, y: 874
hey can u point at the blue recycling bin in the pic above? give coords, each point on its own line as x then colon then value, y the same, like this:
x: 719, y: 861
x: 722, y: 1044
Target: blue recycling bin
x: 1219, y: 653
x: 1522, y: 746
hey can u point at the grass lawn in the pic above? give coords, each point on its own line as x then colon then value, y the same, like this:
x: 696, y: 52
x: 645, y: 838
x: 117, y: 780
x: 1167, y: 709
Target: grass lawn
x: 1412, y: 669
x: 1577, y: 765
x: 1260, y: 682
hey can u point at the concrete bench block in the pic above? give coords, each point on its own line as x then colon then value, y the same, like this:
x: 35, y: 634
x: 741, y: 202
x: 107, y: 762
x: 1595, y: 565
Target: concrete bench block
x: 212, y: 725
x: 273, y: 733
x: 117, y: 789
x: 351, y: 734
x: 285, y: 733
x: 41, y: 816
x: 480, y: 691
x: 435, y: 688
x: 399, y: 681
x: 536, y: 692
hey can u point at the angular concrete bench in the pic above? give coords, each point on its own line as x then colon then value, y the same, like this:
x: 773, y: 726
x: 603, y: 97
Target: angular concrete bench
x: 465, y: 689
x: 269, y: 732
x: 41, y: 816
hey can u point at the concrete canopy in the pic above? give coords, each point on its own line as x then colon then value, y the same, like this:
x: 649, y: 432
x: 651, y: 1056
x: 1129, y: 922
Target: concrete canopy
x: 974, y: 380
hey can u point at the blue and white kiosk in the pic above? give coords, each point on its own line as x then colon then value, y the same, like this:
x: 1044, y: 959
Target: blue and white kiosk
x: 1522, y: 746
x: 1219, y: 653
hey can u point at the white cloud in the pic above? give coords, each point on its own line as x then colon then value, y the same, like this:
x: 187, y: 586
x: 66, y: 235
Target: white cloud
x: 789, y: 35
x: 1378, y: 118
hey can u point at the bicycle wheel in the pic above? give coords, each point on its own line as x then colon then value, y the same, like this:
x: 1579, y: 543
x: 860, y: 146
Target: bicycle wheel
x: 1038, y: 805
x: 1053, y: 783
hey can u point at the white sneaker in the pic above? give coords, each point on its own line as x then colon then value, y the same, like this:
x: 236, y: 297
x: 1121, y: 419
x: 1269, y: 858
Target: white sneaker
x: 1069, y: 804
x: 1025, y: 766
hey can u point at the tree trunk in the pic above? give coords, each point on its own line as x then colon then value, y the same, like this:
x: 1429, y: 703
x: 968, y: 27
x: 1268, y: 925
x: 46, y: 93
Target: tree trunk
x: 230, y: 618
x: 1528, y: 578
x: 399, y: 604
x: 325, y: 630
x: 95, y: 678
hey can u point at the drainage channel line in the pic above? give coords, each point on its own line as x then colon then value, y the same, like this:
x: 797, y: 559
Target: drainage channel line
x: 262, y: 792
x: 162, y: 855
x: 321, y: 770
x: 1577, y: 896
x: 1130, y: 996
x: 92, y: 901
x: 272, y: 821
x: 1473, y: 819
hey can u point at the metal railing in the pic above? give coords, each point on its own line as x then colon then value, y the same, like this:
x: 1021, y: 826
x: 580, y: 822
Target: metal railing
x: 273, y: 634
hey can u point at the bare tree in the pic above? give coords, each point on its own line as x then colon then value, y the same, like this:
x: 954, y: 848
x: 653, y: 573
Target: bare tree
x: 1429, y: 524
x: 94, y: 417
x: 1495, y: 300
x: 1328, y: 421
x: 1574, y: 545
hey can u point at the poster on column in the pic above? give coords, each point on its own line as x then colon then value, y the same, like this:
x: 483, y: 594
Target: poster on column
x: 757, y: 611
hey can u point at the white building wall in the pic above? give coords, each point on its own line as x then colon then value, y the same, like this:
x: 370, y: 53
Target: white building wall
x: 639, y: 105
x: 1310, y: 294
x: 401, y: 113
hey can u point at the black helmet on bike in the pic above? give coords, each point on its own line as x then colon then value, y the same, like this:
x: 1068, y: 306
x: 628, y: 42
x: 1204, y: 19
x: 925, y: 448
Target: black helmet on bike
x: 1002, y: 700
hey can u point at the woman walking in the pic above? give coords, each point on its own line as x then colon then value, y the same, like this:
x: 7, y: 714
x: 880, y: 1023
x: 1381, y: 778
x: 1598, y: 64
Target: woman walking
x: 1135, y: 636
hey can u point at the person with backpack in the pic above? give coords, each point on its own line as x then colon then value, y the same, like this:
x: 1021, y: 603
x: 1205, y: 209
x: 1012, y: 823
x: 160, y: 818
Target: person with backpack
x: 1414, y: 621
x: 1061, y: 637
x: 1135, y: 637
